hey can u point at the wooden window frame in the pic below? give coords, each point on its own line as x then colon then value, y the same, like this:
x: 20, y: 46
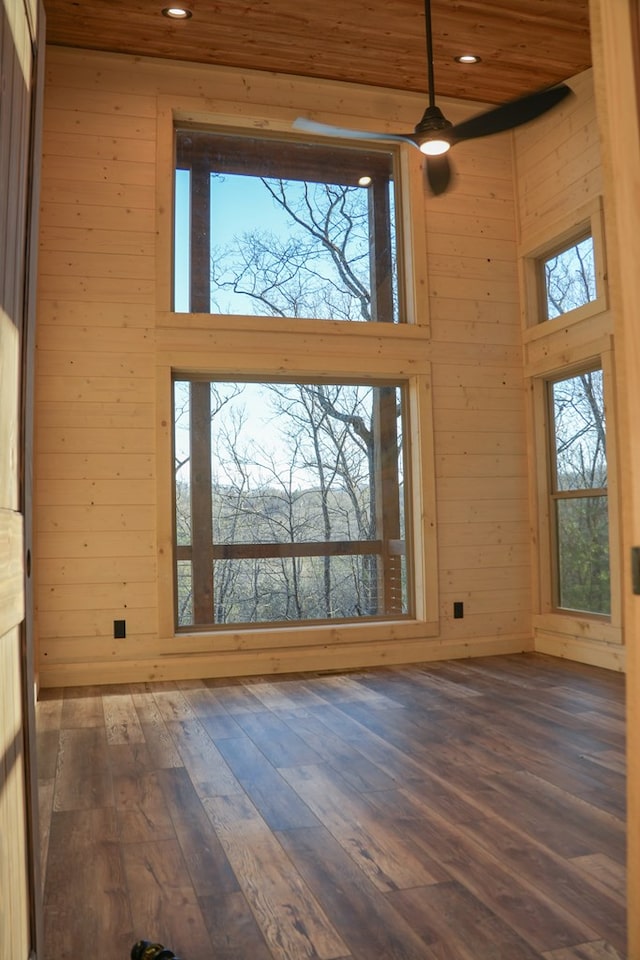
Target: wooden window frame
x: 588, y: 221
x: 389, y: 546
x: 212, y: 344
x: 556, y: 495
x: 555, y: 349
x: 203, y: 151
x: 552, y: 619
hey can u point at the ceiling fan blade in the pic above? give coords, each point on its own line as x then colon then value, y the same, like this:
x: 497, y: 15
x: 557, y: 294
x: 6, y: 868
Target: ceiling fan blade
x: 439, y: 174
x: 509, y: 115
x: 327, y: 130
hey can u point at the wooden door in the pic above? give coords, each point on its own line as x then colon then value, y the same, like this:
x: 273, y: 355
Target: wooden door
x: 19, y: 117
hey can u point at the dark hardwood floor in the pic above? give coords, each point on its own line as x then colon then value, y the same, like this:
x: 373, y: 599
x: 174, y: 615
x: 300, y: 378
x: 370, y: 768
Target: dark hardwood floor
x: 467, y: 810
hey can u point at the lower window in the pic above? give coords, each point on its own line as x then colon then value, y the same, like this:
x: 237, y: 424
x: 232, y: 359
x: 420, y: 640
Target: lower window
x: 289, y: 502
x: 580, y: 528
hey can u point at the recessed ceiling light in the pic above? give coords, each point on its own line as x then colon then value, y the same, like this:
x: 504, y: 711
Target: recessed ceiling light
x: 468, y: 58
x: 177, y: 13
x: 364, y: 181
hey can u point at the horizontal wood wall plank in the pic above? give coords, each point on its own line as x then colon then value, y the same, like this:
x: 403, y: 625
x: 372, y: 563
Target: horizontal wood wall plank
x: 189, y: 666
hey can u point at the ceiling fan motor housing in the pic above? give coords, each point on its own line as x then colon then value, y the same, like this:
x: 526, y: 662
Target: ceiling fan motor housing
x: 432, y: 121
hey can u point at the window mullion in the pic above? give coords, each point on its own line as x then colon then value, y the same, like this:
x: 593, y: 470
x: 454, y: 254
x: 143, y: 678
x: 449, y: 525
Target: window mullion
x: 381, y: 258
x: 201, y: 508
x: 200, y: 236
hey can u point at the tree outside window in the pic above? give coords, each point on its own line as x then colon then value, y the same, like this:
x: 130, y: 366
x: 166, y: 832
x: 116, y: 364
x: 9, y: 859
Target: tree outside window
x: 579, y: 493
x: 289, y: 502
x: 283, y: 228
x: 569, y: 279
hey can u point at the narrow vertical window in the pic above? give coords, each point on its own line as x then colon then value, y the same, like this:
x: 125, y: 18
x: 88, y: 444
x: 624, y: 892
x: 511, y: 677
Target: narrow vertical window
x: 579, y: 493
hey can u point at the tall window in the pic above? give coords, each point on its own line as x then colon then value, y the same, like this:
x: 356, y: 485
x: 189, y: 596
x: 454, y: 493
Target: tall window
x: 289, y: 492
x: 289, y: 501
x: 283, y: 228
x: 579, y: 493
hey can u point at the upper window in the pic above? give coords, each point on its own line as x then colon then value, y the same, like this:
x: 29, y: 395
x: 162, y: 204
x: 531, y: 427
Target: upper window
x: 579, y: 493
x: 281, y: 228
x: 569, y: 278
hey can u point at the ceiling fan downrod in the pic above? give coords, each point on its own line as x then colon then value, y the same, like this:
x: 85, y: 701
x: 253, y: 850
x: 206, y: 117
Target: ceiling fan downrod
x: 428, y: 131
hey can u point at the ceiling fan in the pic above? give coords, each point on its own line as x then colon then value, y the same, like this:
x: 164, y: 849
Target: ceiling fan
x: 434, y: 135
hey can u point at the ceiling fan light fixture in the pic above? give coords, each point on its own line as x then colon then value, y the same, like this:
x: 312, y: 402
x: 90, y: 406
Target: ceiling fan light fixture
x: 434, y: 147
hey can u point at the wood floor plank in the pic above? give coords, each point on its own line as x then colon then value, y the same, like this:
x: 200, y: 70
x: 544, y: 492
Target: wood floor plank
x: 382, y: 856
x: 83, y: 777
x: 278, y: 803
x: 47, y: 741
x: 121, y: 719
x: 86, y: 898
x: 586, y: 951
x: 290, y: 918
x: 209, y: 772
x: 534, y: 915
x: 363, y: 916
x: 145, y: 704
x: 568, y: 824
x: 348, y: 688
x: 163, y: 902
x: 359, y: 772
x: 200, y: 698
x: 154, y: 729
x: 172, y: 704
x: 234, y: 933
x: 82, y: 707
x: 221, y: 726
x: 49, y: 709
x: 580, y: 896
x: 161, y: 746
x: 283, y: 695
x: 205, y: 859
x: 142, y: 812
x: 606, y: 870
x: 235, y: 697
x: 278, y: 742
x: 459, y: 927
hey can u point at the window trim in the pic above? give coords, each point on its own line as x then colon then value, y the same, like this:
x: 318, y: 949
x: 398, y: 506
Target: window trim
x: 343, y: 164
x: 556, y: 496
x: 211, y: 551
x: 420, y: 496
x: 212, y: 343
x: 587, y: 221
x: 551, y: 619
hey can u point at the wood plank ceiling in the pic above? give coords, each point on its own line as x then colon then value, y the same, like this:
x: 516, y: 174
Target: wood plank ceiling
x: 524, y: 44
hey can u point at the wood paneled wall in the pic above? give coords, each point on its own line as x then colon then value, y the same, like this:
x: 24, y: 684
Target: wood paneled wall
x: 616, y: 56
x: 102, y: 316
x: 17, y: 21
x: 559, y: 187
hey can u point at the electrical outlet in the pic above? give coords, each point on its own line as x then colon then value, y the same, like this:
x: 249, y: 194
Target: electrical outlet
x: 458, y: 609
x: 119, y: 629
